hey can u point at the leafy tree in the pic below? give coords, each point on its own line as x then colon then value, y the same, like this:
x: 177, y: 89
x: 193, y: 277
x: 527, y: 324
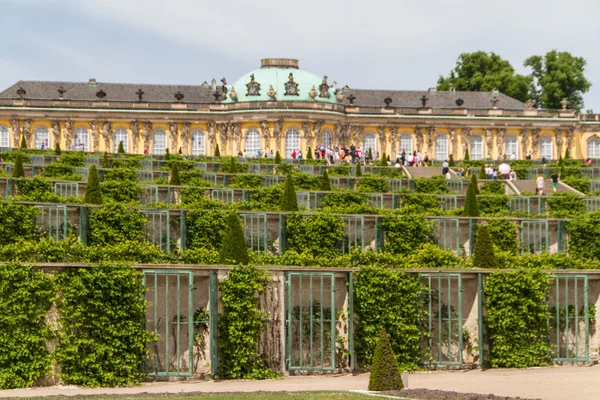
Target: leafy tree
x: 289, y: 202
x: 23, y: 142
x: 175, y: 179
x: 358, y: 170
x: 483, y: 256
x: 471, y: 206
x: 217, y: 152
x: 384, y: 372
x: 121, y: 149
x: 482, y: 72
x: 93, y: 193
x: 233, y: 247
x: 325, y: 183
x: 277, y: 158
x: 556, y: 76
x: 57, y: 149
x: 18, y: 170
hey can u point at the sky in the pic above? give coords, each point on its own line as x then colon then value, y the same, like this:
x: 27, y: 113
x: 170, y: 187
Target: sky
x: 376, y: 44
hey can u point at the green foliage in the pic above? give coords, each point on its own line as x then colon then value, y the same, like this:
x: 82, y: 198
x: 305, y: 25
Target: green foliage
x: 233, y: 247
x: 482, y: 174
x: 384, y: 372
x: 388, y: 299
x: 202, y: 256
x: 277, y: 158
x: 23, y: 142
x: 58, y: 170
x: 492, y: 187
x: 309, y: 155
x: 241, y: 324
x: 18, y: 222
x: 102, y: 340
x: 372, y: 183
x: 306, y: 181
x: 217, y: 151
x: 93, y: 193
x: 471, y: 208
x: 349, y: 202
x: 433, y: 185
x: 483, y: 256
x: 114, y: 223
x: 205, y: 229
x: 342, y: 169
x: 565, y: 205
x: 325, y: 183
x: 558, y: 75
x: 74, y: 159
x: 451, y: 162
x: 35, y: 189
x: 317, y: 234
x: 383, y: 161
x: 289, y: 202
x: 264, y: 199
x: 121, y: 149
x: 167, y: 154
x: 517, y: 318
x: 482, y: 72
x: 121, y: 191
x: 503, y: 234
x: 57, y: 150
x: 246, y: 181
x: 233, y: 167
x: 175, y: 179
x: 467, y: 155
x: 405, y: 233
x: 584, y: 236
x: 121, y: 175
x: 420, y: 204
x: 358, y: 170
x: 106, y: 161
x: 18, y: 170
x: 26, y: 295
x: 370, y: 155
x: 493, y: 205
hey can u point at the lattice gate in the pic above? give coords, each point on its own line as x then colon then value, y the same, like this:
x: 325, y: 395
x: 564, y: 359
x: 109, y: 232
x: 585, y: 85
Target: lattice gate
x: 158, y: 228
x: 447, y: 233
x: 52, y: 221
x: 534, y: 237
x: 255, y: 231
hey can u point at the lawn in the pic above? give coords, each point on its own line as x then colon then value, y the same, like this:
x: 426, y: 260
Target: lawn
x: 238, y: 396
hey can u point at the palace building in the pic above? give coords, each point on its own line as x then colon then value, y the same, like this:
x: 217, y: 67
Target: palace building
x: 280, y: 107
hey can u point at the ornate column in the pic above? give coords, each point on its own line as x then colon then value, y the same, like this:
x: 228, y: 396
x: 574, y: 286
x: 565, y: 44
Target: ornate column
x: 308, y: 136
x: 317, y: 134
x: 106, y: 134
x: 212, y: 136
x: 465, y: 139
x: 146, y: 129
x: 489, y: 141
x: 95, y: 138
x: 173, y: 136
x: 55, y: 124
x: 342, y: 133
x: 236, y: 134
x: 524, y: 140
x: 382, y: 140
x: 16, y: 131
x: 357, y: 131
x: 277, y: 134
x: 430, y: 132
x: 535, y: 142
x: 559, y: 141
x: 266, y: 134
x: 68, y: 132
x: 454, y: 140
x: 27, y: 131
x: 185, y: 137
x: 393, y: 141
x: 135, y: 134
x: 223, y: 127
x: 569, y: 141
x: 500, y: 134
x: 419, y: 136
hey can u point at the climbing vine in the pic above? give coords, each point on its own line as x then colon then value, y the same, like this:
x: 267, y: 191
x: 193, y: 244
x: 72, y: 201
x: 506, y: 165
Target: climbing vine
x: 317, y: 234
x: 404, y: 234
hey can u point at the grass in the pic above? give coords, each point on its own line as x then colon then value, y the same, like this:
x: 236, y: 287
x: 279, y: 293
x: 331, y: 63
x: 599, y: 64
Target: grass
x: 247, y: 396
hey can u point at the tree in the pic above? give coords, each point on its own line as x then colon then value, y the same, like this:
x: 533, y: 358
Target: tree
x: 277, y: 158
x: 167, y: 154
x: 370, y: 153
x: 358, y: 170
x: 18, y: 170
x: 121, y: 149
x: 567, y: 154
x: 325, y: 183
x: 233, y: 246
x: 482, y: 174
x: 175, y: 179
x: 384, y: 371
x: 289, y: 202
x: 483, y: 72
x: 23, y: 142
x: 556, y: 76
x: 483, y: 256
x: 451, y: 162
x: 467, y: 155
x: 217, y: 152
x: 57, y: 149
x: 93, y: 192
x: 105, y: 161
x: 471, y: 207
x: 383, y: 161
x: 309, y: 155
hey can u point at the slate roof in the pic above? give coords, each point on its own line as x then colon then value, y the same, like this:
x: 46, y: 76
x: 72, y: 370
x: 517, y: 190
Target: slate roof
x: 40, y: 90
x: 439, y: 99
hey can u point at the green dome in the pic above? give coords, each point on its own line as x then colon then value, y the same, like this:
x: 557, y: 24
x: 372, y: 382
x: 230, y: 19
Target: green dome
x: 280, y: 74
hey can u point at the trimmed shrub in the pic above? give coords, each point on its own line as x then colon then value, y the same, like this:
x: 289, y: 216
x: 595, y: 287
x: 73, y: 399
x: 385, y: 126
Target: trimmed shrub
x: 384, y: 372
x: 105, y: 161
x: 18, y: 170
x: 451, y: 162
x: 483, y: 256
x: 309, y: 155
x: 277, y: 158
x: 358, y: 171
x: 217, y: 151
x: 370, y: 155
x: 482, y: 174
x: 233, y: 247
x: 325, y: 183
x: 23, y: 142
x: 93, y: 193
x: 289, y: 202
x: 383, y: 161
x: 57, y: 149
x: 175, y: 179
x: 121, y: 149
x: 471, y: 208
x: 467, y: 155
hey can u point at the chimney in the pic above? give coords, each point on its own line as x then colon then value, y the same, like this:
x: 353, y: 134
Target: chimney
x: 92, y: 82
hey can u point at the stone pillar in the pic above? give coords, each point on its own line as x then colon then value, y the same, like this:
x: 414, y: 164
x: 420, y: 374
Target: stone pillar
x: 308, y: 136
x: 266, y: 136
x: 559, y: 141
x: 430, y: 135
x: 277, y: 128
x: 27, y: 131
x: 146, y: 130
x: 500, y: 134
x: 69, y: 128
x: 393, y: 142
x: 535, y: 142
x: 524, y: 141
x: 317, y: 134
x: 357, y: 131
x: 454, y: 140
x: 489, y: 141
x: 382, y: 141
x: 419, y: 136
x: 106, y: 135
x: 465, y: 139
x: 173, y: 137
x: 212, y: 136
x: 569, y: 141
x: 56, y: 131
x: 16, y: 131
x: 135, y: 135
x: 223, y: 130
x: 185, y: 138
x: 236, y: 136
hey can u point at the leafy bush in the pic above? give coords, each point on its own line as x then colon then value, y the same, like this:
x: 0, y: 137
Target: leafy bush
x: 115, y: 223
x: 492, y: 187
x: 405, y: 233
x: 503, y: 234
x: 342, y: 169
x: 384, y: 372
x: 233, y: 247
x: 483, y: 256
x: 73, y: 158
x: 233, y: 167
x: 121, y: 175
x: 433, y: 185
x: 420, y: 203
x: 325, y: 184
x: 18, y: 170
x: 205, y: 229
x: 289, y: 202
x: 246, y: 181
x: 317, y: 234
x: 581, y: 184
x: 18, y: 222
x: 371, y: 183
x: 93, y: 193
x: 307, y: 182
x: 584, y: 236
x: 471, y: 208
x: 565, y: 205
x: 121, y: 191
x: 493, y: 204
x: 175, y: 179
x: 35, y: 189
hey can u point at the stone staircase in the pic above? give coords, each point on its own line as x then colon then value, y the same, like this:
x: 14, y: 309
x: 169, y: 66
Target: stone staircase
x: 529, y: 186
x: 423, y: 172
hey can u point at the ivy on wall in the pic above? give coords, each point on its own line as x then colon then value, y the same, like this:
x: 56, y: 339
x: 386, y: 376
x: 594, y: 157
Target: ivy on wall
x: 205, y: 229
x: 25, y: 298
x: 504, y: 234
x: 114, y: 223
x: 317, y: 234
x: 405, y: 233
x: 18, y: 222
x: 584, y: 236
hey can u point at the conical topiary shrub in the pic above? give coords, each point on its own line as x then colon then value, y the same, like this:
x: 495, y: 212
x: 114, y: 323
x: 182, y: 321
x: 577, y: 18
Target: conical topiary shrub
x: 482, y: 174
x: 567, y: 154
x: 277, y: 158
x: 467, y: 155
x: 93, y: 193
x: 121, y: 149
x: 23, y: 142
x: 233, y: 246
x: 325, y: 183
x: 483, y: 256
x: 384, y: 371
x: 105, y: 161
x: 18, y: 170
x: 217, y: 151
x: 451, y: 162
x: 57, y: 149
x: 383, y: 161
x: 309, y: 156
x: 167, y: 154
x: 175, y: 179
x: 370, y: 153
x: 358, y: 170
x: 289, y: 202
x: 471, y: 206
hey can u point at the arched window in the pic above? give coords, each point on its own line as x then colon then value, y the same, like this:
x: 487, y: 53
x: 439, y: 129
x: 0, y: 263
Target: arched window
x: 476, y: 147
x: 81, y: 139
x: 3, y: 136
x: 406, y: 143
x: 546, y: 147
x: 252, y: 142
x: 594, y: 148
x: 327, y: 139
x: 369, y: 142
x: 292, y: 142
x: 441, y: 147
x: 159, y: 142
x: 198, y: 142
x: 120, y: 135
x: 511, y: 146
x: 41, y: 137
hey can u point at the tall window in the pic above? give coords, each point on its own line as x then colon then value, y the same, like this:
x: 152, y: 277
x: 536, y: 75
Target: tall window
x: 369, y: 142
x: 476, y: 147
x: 120, y: 135
x: 292, y: 142
x: 3, y: 136
x: 594, y: 148
x: 511, y: 146
x: 327, y: 140
x: 81, y: 139
x: 252, y: 142
x: 441, y: 147
x: 198, y: 142
x: 159, y: 142
x: 41, y: 137
x: 546, y: 147
x: 406, y: 143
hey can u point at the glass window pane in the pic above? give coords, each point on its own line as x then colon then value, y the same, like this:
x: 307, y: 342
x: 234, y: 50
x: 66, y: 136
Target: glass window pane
x: 406, y: 143
x: 3, y: 136
x: 546, y: 147
x: 159, y: 142
x: 252, y: 143
x: 594, y: 148
x: 476, y: 147
x: 292, y: 142
x: 41, y: 137
x: 198, y: 143
x: 511, y: 146
x: 119, y: 136
x: 327, y: 139
x: 81, y: 139
x: 441, y: 147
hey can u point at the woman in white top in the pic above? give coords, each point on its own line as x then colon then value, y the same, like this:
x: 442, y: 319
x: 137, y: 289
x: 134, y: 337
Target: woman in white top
x: 540, y: 184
